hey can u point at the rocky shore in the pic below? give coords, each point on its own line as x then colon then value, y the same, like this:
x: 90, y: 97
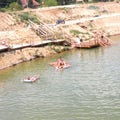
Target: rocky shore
x: 82, y: 18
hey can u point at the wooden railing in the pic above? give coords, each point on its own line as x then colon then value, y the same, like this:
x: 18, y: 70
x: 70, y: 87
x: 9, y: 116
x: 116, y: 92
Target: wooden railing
x: 44, y: 31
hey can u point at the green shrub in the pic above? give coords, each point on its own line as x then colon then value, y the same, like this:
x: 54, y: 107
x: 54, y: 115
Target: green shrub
x: 75, y: 32
x: 14, y: 6
x: 57, y: 49
x: 2, y: 10
x: 27, y: 16
x: 50, y: 2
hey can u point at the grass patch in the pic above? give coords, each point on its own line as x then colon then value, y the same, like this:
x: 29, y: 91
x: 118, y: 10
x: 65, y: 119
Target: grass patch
x: 27, y: 16
x: 75, y: 32
x: 50, y: 3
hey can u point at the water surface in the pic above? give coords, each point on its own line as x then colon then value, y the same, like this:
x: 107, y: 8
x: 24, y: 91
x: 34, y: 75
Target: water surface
x: 88, y: 90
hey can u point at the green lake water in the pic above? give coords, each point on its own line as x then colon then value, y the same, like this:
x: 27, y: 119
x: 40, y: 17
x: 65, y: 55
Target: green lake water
x: 88, y: 90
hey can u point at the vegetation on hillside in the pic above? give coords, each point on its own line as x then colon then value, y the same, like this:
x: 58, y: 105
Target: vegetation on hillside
x: 7, y: 3
x: 26, y: 16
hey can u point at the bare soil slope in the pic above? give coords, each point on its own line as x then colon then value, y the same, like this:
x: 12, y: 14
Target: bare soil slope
x: 11, y: 29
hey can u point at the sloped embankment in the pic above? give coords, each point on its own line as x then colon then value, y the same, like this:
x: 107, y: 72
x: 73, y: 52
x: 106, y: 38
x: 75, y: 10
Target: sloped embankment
x: 15, y: 32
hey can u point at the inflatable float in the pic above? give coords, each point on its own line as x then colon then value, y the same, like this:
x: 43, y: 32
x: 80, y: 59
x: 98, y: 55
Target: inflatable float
x: 54, y: 64
x: 31, y: 79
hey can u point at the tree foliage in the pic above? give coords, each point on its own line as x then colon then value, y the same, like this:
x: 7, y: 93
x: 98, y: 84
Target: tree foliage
x: 4, y: 3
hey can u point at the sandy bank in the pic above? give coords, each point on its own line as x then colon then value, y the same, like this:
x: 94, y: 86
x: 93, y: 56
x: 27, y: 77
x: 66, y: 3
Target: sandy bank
x: 83, y: 18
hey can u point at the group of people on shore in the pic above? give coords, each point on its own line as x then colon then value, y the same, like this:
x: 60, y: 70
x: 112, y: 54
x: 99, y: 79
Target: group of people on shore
x: 98, y: 36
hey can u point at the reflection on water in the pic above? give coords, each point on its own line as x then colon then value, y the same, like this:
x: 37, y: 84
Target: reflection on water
x: 88, y: 90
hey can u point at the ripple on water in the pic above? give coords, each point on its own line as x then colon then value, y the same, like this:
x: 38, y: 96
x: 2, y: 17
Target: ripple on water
x: 88, y: 90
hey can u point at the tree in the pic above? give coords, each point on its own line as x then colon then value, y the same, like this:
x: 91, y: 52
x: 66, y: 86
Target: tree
x: 3, y: 3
